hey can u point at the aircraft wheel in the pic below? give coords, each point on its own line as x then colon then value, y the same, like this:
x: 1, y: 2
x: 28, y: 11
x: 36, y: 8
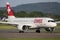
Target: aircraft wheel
x: 21, y: 31
x: 38, y: 31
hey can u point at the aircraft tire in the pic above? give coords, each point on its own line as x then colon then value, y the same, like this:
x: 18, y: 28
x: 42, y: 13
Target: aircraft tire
x: 21, y: 31
x: 38, y: 31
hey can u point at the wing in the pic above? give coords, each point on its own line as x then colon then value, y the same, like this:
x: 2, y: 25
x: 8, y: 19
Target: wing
x: 58, y: 22
x: 13, y: 23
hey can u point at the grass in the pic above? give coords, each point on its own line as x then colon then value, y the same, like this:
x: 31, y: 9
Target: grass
x: 30, y: 38
x: 58, y: 25
x: 4, y: 26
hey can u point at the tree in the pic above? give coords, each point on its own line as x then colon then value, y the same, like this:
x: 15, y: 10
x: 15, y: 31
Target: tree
x: 36, y: 14
x: 3, y: 13
x: 21, y: 14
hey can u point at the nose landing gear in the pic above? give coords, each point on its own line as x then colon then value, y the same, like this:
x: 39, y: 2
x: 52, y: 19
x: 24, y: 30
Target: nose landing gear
x: 49, y: 29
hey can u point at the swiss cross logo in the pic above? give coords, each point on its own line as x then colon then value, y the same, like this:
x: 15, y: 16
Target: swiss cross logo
x: 37, y: 20
x: 9, y: 10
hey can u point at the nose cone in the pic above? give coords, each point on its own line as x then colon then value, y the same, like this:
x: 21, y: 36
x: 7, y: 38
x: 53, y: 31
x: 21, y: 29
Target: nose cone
x: 54, y: 24
x: 51, y: 24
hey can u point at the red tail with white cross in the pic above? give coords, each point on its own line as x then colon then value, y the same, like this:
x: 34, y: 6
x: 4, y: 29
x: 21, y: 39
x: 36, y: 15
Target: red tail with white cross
x: 9, y: 10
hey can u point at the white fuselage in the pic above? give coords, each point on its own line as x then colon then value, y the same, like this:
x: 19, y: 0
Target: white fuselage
x: 33, y: 22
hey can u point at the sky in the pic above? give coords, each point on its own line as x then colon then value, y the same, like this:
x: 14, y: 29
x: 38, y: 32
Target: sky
x: 20, y: 2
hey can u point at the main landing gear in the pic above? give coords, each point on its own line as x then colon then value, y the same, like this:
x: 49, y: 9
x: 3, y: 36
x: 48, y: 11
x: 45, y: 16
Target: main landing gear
x: 38, y: 31
x: 21, y: 31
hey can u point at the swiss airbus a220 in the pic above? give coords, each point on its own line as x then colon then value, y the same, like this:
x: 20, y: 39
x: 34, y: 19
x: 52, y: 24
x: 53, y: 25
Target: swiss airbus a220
x: 25, y: 24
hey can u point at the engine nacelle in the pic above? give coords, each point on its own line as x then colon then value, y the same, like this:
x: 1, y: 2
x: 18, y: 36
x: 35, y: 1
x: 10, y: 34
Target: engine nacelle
x: 23, y: 27
x: 20, y: 27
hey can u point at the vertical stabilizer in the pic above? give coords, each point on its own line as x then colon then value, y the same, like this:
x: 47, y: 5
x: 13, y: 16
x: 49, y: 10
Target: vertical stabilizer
x: 9, y: 10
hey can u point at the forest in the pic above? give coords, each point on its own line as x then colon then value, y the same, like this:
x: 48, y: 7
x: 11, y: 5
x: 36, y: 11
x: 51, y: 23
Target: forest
x: 31, y: 14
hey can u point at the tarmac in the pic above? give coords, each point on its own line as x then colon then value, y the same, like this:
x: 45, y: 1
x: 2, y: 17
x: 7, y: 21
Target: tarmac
x: 14, y: 33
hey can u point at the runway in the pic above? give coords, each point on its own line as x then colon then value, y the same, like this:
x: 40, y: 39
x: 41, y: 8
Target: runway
x: 13, y: 33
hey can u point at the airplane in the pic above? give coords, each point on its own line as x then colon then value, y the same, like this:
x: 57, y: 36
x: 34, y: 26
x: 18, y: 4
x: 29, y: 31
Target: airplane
x: 24, y: 24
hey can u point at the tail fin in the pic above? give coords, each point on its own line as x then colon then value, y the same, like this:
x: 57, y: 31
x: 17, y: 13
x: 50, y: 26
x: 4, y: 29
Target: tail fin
x: 9, y: 10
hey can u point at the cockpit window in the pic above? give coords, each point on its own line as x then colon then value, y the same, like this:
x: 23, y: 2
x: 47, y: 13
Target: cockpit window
x: 51, y: 21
